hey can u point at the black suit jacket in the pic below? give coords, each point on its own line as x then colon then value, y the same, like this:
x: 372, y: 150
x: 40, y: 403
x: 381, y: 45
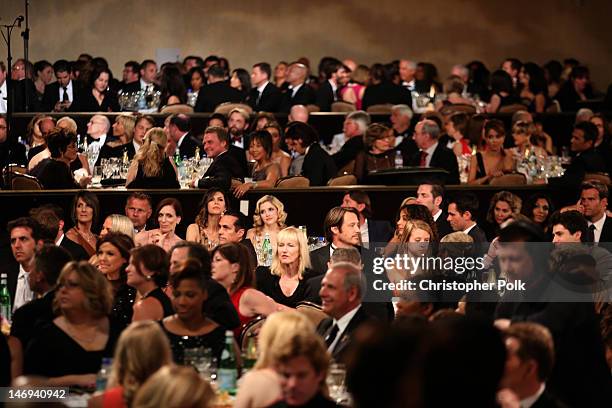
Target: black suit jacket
x: 349, y: 151
x: 304, y: 96
x: 52, y: 95
x: 318, y: 166
x: 325, y: 97
x: 134, y: 87
x: 188, y: 146
x: 589, y: 161
x: 269, y: 101
x: 379, y: 232
x: 19, y: 90
x: 219, y: 306
x: 318, y: 260
x: 30, y: 315
x: 213, y: 95
x: 386, y: 92
x: 547, y: 400
x: 220, y: 173
x: 480, y: 240
x: 339, y: 353
x: 239, y: 155
x: 443, y: 158
x: 606, y: 231
x: 443, y: 225
x: 84, y: 101
x: 77, y: 252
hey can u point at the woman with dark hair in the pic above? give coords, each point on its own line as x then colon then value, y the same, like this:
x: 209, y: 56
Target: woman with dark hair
x: 410, y: 212
x: 478, y: 82
x: 197, y: 79
x: 353, y: 91
x: 112, y: 256
x: 96, y: 96
x: 502, y: 91
x: 602, y: 142
x: 535, y: 90
x: 265, y: 172
x: 379, y: 151
x: 492, y: 160
x: 172, y: 87
x: 456, y: 128
x: 382, y: 90
x: 148, y: 274
x: 232, y: 267
x: 151, y: 167
x: 169, y: 212
x: 426, y: 78
x: 54, y: 172
x: 69, y: 350
x: 280, y: 74
x: 44, y: 75
x: 189, y: 327
x: 85, y: 213
x: 205, y: 230
x: 241, y: 80
x: 538, y: 209
x: 577, y: 88
x: 279, y: 156
x: 552, y: 72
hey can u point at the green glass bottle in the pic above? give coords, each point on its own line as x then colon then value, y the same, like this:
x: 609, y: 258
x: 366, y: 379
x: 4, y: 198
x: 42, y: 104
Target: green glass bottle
x: 227, y: 374
x: 5, y: 299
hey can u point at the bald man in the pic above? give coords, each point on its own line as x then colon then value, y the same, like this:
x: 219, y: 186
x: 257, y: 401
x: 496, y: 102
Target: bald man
x: 298, y: 92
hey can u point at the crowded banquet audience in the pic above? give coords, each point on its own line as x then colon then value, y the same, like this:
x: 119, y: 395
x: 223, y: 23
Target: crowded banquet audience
x: 314, y: 292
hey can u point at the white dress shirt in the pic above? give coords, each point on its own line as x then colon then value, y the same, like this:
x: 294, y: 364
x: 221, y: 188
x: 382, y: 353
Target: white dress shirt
x: 342, y: 324
x: 468, y: 229
x: 430, y: 151
x: 69, y: 91
x: 437, y: 215
x: 3, y: 97
x: 23, y: 293
x: 94, y: 149
x: 598, y: 227
x: 295, y: 89
x: 529, y: 401
x: 365, y: 238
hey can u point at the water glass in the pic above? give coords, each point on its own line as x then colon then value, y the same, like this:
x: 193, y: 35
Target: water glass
x: 96, y: 176
x: 336, y: 381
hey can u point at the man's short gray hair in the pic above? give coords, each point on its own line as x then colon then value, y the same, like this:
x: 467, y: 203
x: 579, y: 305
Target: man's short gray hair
x: 403, y: 110
x: 431, y: 128
x: 464, y: 71
x: 353, y: 277
x: 361, y: 118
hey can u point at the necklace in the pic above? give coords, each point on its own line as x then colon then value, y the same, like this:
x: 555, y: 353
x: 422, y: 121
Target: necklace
x: 72, y: 332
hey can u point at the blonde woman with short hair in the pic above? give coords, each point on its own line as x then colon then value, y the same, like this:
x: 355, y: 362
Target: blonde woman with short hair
x: 151, y: 167
x: 141, y: 351
x: 175, y: 387
x: 117, y: 223
x: 261, y: 387
x: 283, y: 281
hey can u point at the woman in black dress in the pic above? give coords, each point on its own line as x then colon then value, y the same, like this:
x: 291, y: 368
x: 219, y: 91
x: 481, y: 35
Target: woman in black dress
x: 379, y: 151
x: 112, y: 255
x: 69, y: 350
x: 148, y: 273
x: 190, y: 327
x: 151, y: 168
x: 96, y: 97
x: 493, y: 160
x: 283, y: 280
x: 54, y: 172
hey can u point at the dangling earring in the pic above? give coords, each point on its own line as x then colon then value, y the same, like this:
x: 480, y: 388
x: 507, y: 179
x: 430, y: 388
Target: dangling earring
x: 148, y: 277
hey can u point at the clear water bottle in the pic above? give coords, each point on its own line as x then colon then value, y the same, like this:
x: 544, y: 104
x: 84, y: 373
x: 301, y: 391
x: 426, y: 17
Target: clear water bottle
x: 104, y: 374
x: 399, y: 160
x: 266, y: 250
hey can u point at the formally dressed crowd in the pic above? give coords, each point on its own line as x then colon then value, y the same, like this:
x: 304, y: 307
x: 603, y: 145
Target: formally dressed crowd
x: 90, y: 285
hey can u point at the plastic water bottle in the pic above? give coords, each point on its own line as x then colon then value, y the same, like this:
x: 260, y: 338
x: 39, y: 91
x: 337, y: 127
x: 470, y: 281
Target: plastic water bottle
x: 103, y: 374
x: 266, y: 249
x: 399, y: 160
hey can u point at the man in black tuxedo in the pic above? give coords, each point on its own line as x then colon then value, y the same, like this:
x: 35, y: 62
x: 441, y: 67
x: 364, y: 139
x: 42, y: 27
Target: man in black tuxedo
x: 232, y: 228
x: 216, y: 92
x: 225, y: 165
x: 587, y: 159
x: 374, y: 234
x: 318, y: 165
x: 353, y: 129
x: 179, y: 130
x: 148, y: 72
x: 529, y: 362
x: 594, y: 203
x: 131, y: 74
x: 59, y: 95
x: 432, y: 196
x: 218, y: 305
x: 10, y: 151
x: 401, y: 118
x: 336, y: 76
x: 342, y: 291
x: 48, y: 263
x: 432, y: 153
x: 238, y: 124
x: 264, y: 96
x: 19, y: 88
x: 298, y: 91
x: 462, y: 211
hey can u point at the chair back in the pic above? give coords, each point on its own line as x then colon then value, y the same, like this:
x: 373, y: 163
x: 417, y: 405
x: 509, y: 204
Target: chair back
x: 313, y: 108
x: 448, y: 110
x: 342, y: 106
x: 512, y: 179
x: 177, y: 108
x: 24, y: 182
x: 515, y: 107
x: 380, y: 108
x: 250, y: 329
x: 312, y: 311
x: 601, y: 177
x: 344, y: 180
x: 292, y: 182
x: 226, y: 107
x: 554, y: 107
